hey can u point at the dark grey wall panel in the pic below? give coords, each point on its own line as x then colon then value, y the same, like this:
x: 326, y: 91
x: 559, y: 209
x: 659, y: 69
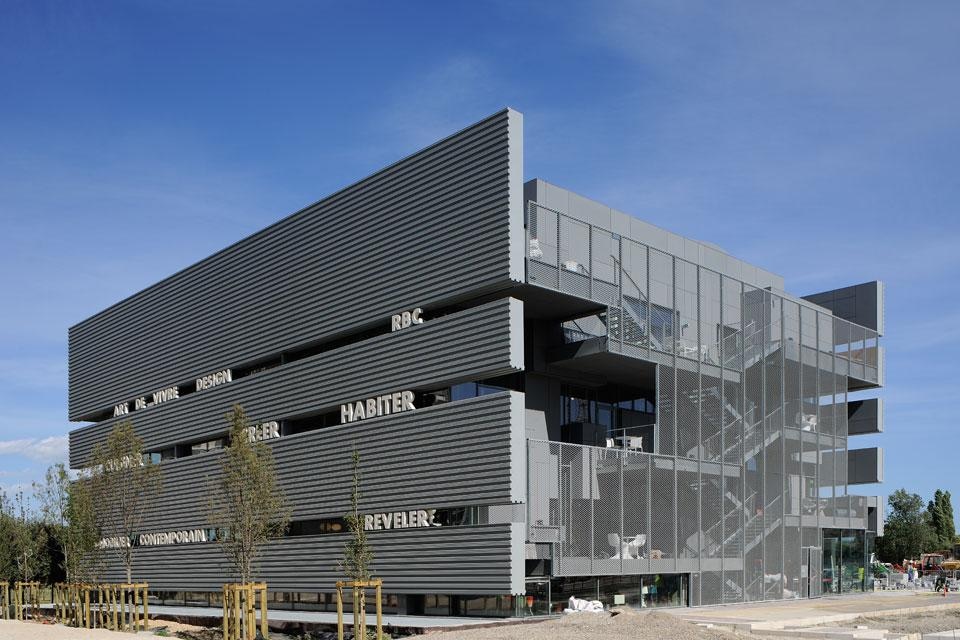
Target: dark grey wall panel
x: 865, y: 466
x: 860, y: 303
x: 465, y: 560
x: 865, y: 416
x: 448, y: 455
x: 443, y: 224
x: 479, y: 342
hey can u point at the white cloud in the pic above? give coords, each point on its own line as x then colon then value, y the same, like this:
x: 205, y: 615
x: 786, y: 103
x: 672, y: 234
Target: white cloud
x: 49, y: 450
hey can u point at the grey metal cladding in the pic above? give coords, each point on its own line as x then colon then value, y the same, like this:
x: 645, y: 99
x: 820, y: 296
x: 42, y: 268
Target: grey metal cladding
x: 466, y: 560
x: 860, y: 303
x: 437, y: 226
x: 475, y: 343
x: 452, y: 454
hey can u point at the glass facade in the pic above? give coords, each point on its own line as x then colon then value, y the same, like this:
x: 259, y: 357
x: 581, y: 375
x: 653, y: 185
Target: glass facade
x: 552, y: 595
x: 748, y: 459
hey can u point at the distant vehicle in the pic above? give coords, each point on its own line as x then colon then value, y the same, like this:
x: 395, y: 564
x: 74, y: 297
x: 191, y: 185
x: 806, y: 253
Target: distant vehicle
x: 931, y: 562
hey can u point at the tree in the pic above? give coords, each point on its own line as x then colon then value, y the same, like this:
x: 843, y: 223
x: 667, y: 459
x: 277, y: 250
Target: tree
x: 29, y: 540
x: 82, y: 555
x: 940, y: 511
x: 67, y: 510
x: 124, y: 482
x: 357, y: 554
x: 53, y: 498
x: 908, y: 531
x: 247, y: 506
x: 8, y: 551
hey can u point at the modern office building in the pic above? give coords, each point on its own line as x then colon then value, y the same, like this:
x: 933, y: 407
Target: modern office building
x: 550, y: 398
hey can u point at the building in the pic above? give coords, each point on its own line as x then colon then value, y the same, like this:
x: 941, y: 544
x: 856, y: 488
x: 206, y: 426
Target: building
x: 551, y: 398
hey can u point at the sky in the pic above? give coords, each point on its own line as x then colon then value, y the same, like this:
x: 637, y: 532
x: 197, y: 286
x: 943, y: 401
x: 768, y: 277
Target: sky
x: 819, y: 140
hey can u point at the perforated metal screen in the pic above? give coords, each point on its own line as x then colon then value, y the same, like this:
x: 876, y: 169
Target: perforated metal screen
x: 750, y: 444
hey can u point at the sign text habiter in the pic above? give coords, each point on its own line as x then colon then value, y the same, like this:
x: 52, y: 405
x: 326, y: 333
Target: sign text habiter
x: 384, y: 405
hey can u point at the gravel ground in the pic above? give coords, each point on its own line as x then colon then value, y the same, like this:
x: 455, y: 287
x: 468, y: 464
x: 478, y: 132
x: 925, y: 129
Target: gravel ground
x: 628, y: 625
x: 927, y: 622
x: 13, y: 630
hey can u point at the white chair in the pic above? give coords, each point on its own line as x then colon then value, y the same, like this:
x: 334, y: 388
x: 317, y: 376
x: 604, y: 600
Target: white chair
x: 636, y: 545
x: 535, y: 250
x: 613, y: 539
x: 609, y: 442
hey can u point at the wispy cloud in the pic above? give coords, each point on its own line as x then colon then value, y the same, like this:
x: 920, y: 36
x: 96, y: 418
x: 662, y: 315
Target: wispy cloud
x: 49, y: 450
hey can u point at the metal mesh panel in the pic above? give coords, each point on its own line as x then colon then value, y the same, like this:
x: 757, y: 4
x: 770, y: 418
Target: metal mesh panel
x: 686, y: 301
x: 816, y: 572
x: 636, y: 316
x: 812, y: 396
x: 543, y: 491
x: 753, y: 528
x: 572, y: 281
x: 732, y: 329
x: 636, y: 510
x: 732, y: 586
x: 841, y: 337
x: 793, y: 413
x: 607, y: 508
x: 710, y: 310
x: 661, y: 301
x: 604, y: 254
x: 791, y: 562
x: 810, y: 537
x: 666, y: 411
x: 808, y: 327
x: 688, y: 508
x: 574, y: 245
x: 840, y: 403
x: 733, y: 422
x: 695, y: 589
x: 542, y: 274
x: 773, y: 543
x: 825, y: 332
x: 711, y: 587
x: 753, y: 416
x: 711, y: 417
x: 711, y: 511
x: 773, y: 365
x: 688, y: 413
x: 576, y: 491
x: 733, y: 511
x: 662, y: 513
x: 542, y: 230
x: 857, y: 336
x: 793, y: 485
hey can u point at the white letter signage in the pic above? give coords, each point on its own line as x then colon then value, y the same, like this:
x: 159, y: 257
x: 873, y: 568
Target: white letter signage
x: 376, y: 407
x: 214, y: 379
x: 400, y: 520
x: 406, y: 319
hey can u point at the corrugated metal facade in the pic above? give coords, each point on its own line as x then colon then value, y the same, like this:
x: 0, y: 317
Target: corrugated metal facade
x: 442, y: 227
x: 470, y: 344
x: 447, y: 455
x: 475, y: 560
x: 443, y: 224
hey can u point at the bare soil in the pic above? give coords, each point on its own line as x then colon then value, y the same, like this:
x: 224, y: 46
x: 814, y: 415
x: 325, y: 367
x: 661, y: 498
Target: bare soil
x: 927, y: 622
x: 626, y: 625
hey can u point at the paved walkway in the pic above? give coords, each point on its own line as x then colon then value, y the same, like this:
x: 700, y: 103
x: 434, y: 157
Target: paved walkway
x: 815, y: 611
x: 327, y: 617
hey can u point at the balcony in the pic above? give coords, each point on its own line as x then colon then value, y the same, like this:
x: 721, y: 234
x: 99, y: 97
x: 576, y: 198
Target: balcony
x: 658, y: 304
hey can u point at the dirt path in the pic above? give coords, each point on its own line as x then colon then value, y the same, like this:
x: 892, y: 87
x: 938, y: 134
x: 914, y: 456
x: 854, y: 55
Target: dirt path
x: 628, y: 625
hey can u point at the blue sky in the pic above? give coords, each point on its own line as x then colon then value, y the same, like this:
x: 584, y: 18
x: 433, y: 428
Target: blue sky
x: 820, y: 140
